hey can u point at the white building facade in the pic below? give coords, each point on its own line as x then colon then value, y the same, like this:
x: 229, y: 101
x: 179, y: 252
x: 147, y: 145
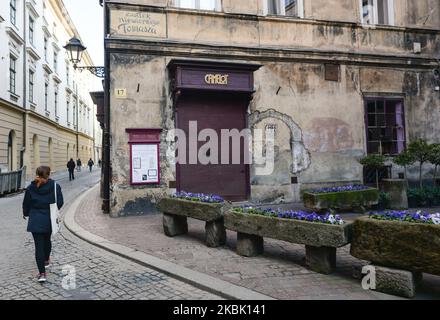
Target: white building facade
x: 46, y: 113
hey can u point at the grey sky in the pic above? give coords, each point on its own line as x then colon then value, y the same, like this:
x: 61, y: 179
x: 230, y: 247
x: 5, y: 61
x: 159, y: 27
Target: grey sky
x: 87, y: 15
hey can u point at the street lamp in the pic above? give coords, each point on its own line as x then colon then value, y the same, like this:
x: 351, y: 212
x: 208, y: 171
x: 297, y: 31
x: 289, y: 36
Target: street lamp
x: 75, y: 51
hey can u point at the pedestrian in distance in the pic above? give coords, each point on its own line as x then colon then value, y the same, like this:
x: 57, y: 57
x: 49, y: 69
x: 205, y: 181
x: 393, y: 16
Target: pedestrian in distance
x: 100, y: 163
x: 78, y: 165
x: 71, y: 168
x: 36, y: 206
x: 90, y: 164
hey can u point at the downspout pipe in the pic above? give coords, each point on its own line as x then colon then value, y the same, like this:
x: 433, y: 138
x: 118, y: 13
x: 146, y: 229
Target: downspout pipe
x: 106, y: 133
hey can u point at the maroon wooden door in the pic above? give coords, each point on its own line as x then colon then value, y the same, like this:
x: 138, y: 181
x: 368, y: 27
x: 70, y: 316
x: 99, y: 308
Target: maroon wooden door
x: 217, y: 112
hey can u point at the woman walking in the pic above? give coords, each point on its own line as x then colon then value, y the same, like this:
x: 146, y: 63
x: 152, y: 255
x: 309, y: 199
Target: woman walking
x: 36, y: 205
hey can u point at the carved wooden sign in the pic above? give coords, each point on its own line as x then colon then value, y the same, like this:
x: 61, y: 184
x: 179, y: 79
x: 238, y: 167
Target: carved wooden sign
x: 137, y: 24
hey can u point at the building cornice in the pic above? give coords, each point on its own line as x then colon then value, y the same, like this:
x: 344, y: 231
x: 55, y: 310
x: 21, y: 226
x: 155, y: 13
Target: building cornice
x: 14, y: 35
x: 257, y: 53
x: 47, y: 68
x: 30, y: 4
x: 31, y: 51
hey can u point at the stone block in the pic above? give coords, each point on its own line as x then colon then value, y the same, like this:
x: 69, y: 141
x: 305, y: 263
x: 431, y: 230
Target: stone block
x: 397, y: 189
x: 249, y: 245
x: 396, y: 282
x: 215, y: 233
x: 321, y: 259
x: 174, y: 225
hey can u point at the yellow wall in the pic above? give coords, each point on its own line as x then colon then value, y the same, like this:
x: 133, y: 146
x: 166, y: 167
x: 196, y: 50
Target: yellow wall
x: 10, y: 119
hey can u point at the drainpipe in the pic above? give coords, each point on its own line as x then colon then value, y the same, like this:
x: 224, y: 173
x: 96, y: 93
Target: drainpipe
x: 25, y: 114
x: 106, y: 133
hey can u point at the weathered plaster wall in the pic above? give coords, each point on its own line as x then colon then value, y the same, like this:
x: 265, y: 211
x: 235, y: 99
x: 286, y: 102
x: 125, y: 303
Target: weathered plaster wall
x: 147, y: 106
x: 420, y: 13
x: 341, y: 10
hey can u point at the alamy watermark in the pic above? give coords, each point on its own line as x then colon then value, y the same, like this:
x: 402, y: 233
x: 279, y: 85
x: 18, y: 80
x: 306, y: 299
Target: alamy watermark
x: 231, y: 146
x: 369, y: 280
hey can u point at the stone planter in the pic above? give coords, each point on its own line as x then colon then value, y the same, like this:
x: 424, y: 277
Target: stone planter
x: 394, y: 244
x: 397, y: 189
x: 411, y: 247
x: 347, y: 200
x: 321, y: 240
x: 176, y: 211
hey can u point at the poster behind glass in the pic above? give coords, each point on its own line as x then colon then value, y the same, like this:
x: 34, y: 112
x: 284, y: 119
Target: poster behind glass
x: 145, y: 166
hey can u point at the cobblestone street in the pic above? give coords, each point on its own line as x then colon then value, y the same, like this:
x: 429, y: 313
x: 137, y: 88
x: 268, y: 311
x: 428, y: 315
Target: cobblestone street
x: 99, y: 274
x: 280, y: 272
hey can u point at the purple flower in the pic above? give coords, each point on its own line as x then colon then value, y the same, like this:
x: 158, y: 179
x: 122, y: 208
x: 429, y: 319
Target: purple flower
x: 340, y: 189
x: 206, y: 198
x: 293, y: 215
x: 406, y: 216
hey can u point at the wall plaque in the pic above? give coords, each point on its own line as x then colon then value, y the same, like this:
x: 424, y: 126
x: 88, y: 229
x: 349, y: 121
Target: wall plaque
x: 137, y: 24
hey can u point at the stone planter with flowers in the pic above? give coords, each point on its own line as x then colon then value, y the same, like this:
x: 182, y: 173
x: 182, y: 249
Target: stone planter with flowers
x: 354, y: 198
x: 407, y: 242
x: 209, y: 208
x: 321, y: 235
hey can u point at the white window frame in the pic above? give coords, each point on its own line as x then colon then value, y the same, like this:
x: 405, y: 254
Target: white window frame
x: 391, y: 12
x: 283, y: 8
x: 218, y: 5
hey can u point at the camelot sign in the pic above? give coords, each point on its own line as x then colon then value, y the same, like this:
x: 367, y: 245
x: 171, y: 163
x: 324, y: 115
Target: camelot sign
x: 221, y: 79
x: 137, y: 24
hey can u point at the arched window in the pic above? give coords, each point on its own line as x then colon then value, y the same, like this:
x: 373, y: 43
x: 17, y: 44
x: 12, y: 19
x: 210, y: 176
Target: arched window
x: 36, y: 147
x: 12, y: 151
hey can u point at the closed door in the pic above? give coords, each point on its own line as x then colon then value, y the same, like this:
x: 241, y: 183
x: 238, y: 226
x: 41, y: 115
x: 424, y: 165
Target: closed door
x: 217, y: 112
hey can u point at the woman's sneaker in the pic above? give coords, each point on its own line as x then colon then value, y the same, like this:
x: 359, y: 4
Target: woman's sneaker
x: 42, y: 277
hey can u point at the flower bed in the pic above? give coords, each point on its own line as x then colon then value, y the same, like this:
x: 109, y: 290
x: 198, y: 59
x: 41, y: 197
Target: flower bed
x: 294, y: 215
x: 340, y: 189
x: 341, y: 198
x: 198, y: 197
x: 401, y: 240
x: 406, y: 216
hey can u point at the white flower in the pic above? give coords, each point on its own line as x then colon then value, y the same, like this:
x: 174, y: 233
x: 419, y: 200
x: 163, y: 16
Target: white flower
x: 436, y: 218
x: 331, y: 219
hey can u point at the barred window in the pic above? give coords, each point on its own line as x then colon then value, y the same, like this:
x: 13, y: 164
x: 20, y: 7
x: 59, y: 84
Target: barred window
x: 385, y: 126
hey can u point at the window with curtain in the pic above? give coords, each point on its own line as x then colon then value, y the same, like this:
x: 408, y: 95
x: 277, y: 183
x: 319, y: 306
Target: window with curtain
x: 377, y: 12
x: 293, y: 8
x: 385, y: 126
